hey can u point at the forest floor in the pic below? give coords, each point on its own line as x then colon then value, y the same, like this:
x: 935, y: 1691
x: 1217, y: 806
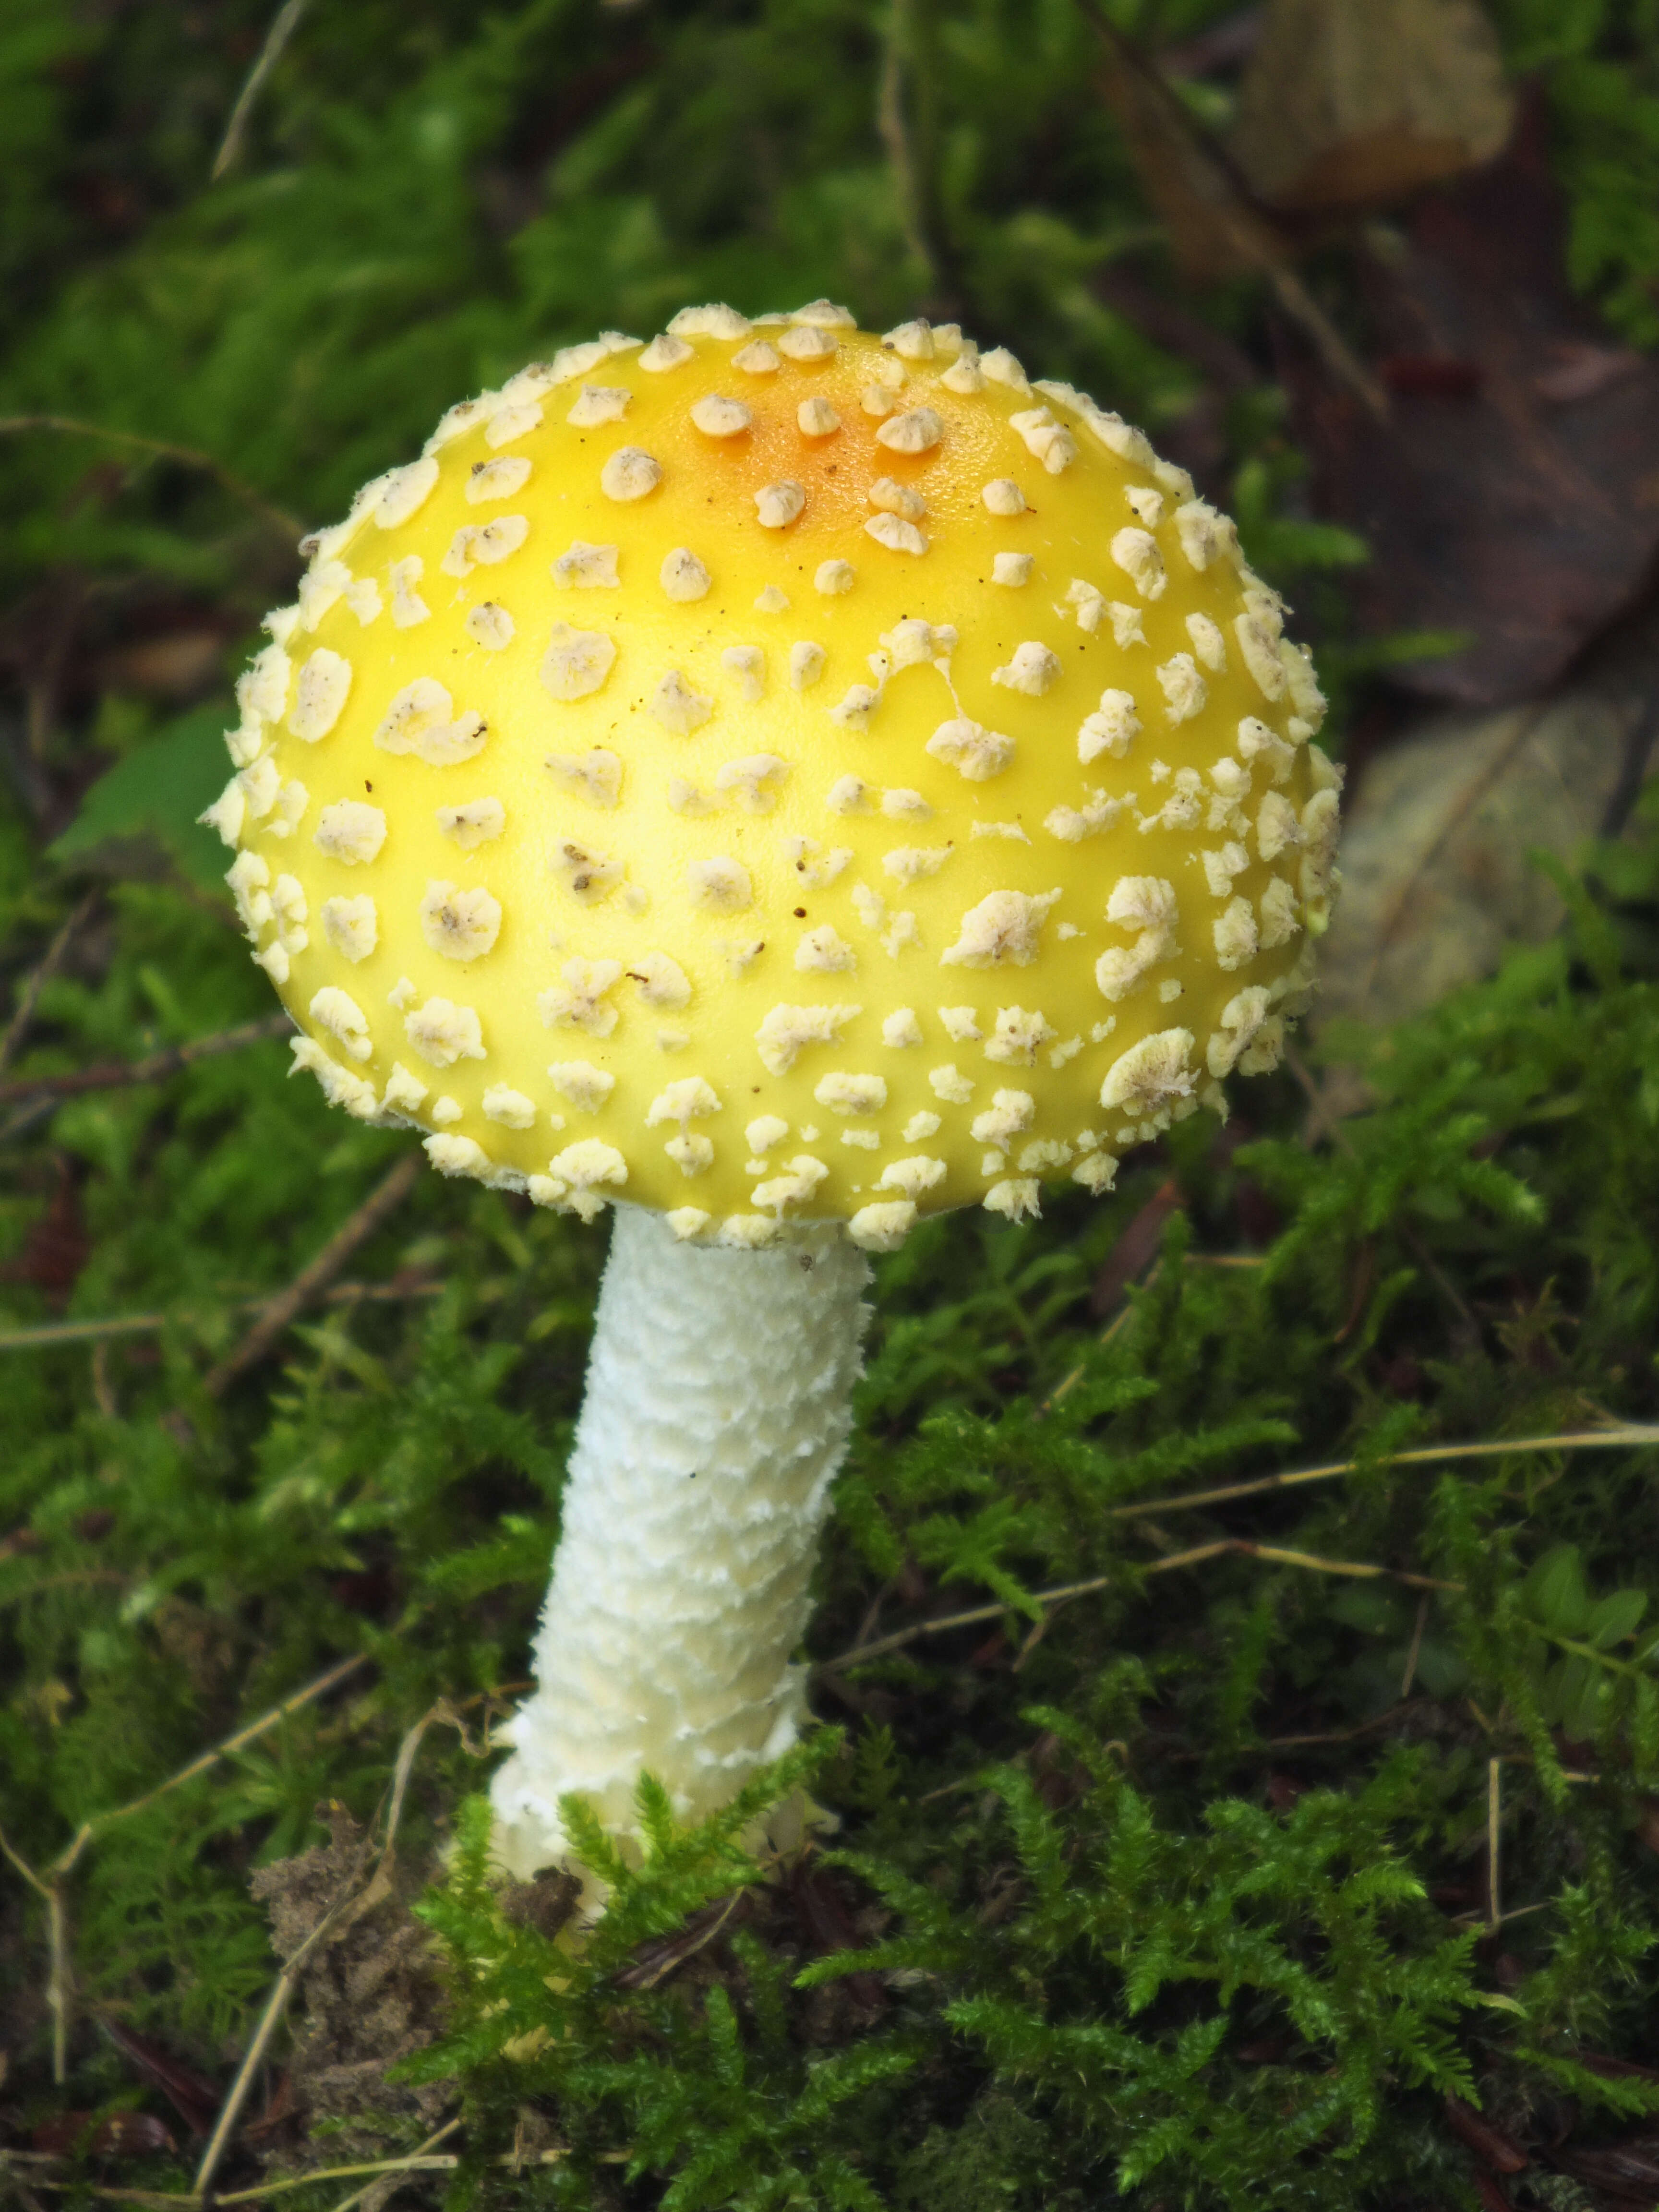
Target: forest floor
x: 1237, y: 1641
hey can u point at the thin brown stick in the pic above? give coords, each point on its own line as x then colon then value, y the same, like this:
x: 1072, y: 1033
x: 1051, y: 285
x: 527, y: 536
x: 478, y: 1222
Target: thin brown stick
x: 1494, y: 1815
x: 1332, y: 1735
x: 50, y: 1885
x: 1629, y: 1434
x: 283, y: 26
x: 677, y: 1959
x: 67, y: 1858
x: 1239, y: 1547
x: 900, y: 1637
x: 50, y: 1333
x: 287, y: 525
x: 273, y: 1323
x: 1250, y: 235
x: 29, y: 996
x: 1422, y: 1622
x: 40, y: 1094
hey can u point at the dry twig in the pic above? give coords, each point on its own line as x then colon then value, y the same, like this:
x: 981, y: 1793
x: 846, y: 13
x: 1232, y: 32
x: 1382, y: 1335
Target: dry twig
x: 40, y: 1094
x: 47, y: 1335
x: 1140, y: 91
x: 285, y: 525
x: 387, y: 1195
x: 29, y: 996
x: 48, y: 1886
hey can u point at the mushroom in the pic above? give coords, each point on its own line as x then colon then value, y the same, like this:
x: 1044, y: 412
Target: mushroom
x: 782, y: 783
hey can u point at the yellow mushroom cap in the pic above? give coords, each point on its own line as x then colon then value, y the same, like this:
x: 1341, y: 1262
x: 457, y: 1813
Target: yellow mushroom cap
x: 779, y: 773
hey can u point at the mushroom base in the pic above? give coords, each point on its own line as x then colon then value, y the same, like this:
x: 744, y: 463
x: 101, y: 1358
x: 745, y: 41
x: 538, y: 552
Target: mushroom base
x: 718, y: 1408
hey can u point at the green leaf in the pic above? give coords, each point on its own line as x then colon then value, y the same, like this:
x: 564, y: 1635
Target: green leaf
x: 152, y: 798
x: 1558, y: 1592
x: 1615, y: 1616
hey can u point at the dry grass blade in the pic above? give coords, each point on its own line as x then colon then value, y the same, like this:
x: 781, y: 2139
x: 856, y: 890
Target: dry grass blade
x: 84, y: 1835
x: 1357, y: 1570
x: 901, y: 1636
x: 1625, y: 1435
x: 421, y: 2150
x: 1412, y: 1657
x: 59, y: 1986
x: 196, y: 2200
x: 284, y: 24
x: 1238, y: 1546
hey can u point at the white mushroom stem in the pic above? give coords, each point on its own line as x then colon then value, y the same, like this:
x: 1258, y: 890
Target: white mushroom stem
x: 718, y: 1408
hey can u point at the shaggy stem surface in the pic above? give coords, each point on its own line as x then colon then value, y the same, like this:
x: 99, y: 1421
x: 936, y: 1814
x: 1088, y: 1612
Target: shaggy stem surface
x: 718, y: 1408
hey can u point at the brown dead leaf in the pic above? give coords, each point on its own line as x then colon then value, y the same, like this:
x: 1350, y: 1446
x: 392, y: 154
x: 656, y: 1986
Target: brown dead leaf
x: 1513, y: 494
x: 1628, y: 2168
x: 1214, y: 228
x: 58, y: 1245
x: 1134, y: 1251
x: 191, y: 2095
x: 1353, y: 103
x: 1436, y: 880
x: 179, y: 666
